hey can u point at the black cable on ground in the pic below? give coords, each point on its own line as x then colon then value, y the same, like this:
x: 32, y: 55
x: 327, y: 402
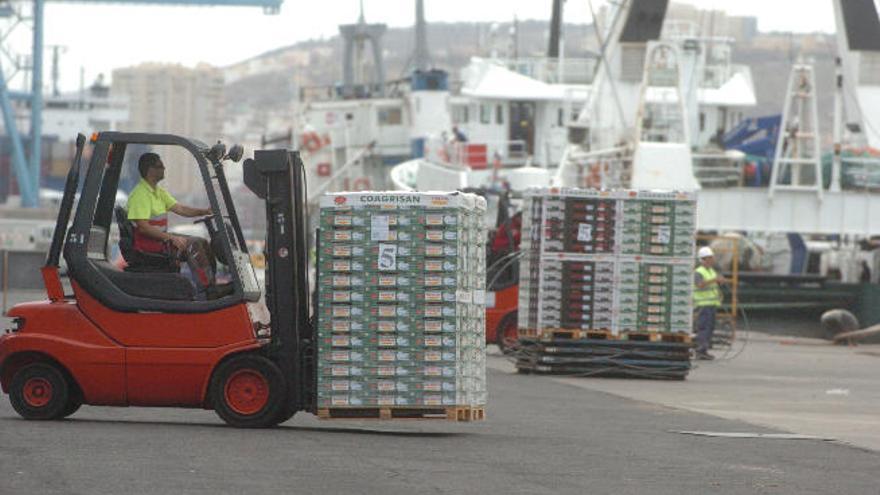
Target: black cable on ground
x: 528, y: 359
x: 745, y: 341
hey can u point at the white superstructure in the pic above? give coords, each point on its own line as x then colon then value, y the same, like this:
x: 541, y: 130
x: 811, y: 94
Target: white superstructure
x: 605, y: 122
x: 582, y: 115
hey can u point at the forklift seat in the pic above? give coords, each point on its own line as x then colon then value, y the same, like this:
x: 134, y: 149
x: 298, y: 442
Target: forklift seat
x: 137, y: 260
x: 164, y: 286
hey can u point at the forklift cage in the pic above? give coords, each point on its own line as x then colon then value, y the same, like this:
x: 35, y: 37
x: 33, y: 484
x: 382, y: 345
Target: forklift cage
x: 84, y: 245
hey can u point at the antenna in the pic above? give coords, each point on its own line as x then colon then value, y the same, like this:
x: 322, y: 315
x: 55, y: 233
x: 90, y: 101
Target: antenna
x: 56, y: 51
x: 515, y: 37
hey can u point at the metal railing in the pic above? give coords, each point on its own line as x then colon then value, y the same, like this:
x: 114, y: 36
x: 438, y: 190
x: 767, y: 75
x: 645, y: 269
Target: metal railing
x: 719, y: 170
x: 472, y: 155
x: 554, y: 70
x: 339, y: 92
x: 860, y: 173
x: 601, y: 169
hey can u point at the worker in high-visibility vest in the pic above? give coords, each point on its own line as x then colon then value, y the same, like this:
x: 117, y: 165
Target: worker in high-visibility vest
x: 707, y: 299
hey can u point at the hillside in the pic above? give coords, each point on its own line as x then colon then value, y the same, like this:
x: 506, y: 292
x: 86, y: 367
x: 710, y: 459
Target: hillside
x: 268, y: 82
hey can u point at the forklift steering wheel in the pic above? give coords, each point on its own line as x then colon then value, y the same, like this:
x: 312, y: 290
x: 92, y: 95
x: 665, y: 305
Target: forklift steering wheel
x: 205, y: 220
x: 215, y: 240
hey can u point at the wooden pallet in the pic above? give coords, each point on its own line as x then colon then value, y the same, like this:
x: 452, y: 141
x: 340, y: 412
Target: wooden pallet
x: 528, y: 333
x: 554, y: 334
x: 461, y: 413
x: 641, y: 336
x: 565, y: 334
x: 677, y: 337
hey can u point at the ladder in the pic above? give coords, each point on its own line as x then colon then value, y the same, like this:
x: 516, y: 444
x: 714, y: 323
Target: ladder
x: 797, y: 165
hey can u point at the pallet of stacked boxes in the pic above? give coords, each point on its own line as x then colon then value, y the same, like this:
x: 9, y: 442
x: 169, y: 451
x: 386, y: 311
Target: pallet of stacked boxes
x: 401, y: 306
x: 606, y: 288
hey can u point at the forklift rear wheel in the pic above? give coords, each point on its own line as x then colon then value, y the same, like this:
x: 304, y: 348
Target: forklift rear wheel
x: 507, y: 333
x: 39, y: 391
x: 248, y: 391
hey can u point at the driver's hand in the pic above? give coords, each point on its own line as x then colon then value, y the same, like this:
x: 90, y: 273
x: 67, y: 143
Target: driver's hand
x: 179, y: 243
x: 206, y: 211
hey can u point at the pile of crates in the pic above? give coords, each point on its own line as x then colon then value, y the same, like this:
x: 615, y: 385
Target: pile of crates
x: 401, y: 305
x: 606, y: 282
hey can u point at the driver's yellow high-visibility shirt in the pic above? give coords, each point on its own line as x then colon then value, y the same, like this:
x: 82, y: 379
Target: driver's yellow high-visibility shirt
x: 149, y: 203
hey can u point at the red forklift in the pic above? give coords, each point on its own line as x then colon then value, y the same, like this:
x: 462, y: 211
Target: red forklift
x: 502, y: 269
x: 138, y: 336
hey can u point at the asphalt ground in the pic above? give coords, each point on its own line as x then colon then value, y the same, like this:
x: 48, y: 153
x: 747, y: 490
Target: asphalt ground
x: 799, y: 385
x: 541, y: 436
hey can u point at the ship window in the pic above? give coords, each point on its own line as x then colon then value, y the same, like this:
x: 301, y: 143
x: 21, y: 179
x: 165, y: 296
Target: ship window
x: 485, y: 114
x: 702, y: 121
x: 560, y: 117
x: 460, y: 114
x: 869, y: 72
x: 575, y: 112
x: 499, y: 114
x: 632, y: 63
x: 390, y: 116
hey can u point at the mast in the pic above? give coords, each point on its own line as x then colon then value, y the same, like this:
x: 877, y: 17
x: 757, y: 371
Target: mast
x: 421, y: 60
x: 555, y: 30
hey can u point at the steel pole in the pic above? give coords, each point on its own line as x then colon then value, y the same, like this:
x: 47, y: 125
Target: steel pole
x: 734, y: 289
x: 22, y: 173
x: 5, y: 279
x: 37, y: 99
x: 837, y: 126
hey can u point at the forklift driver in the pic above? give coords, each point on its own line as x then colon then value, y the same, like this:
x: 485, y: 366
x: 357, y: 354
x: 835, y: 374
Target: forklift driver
x: 148, y: 206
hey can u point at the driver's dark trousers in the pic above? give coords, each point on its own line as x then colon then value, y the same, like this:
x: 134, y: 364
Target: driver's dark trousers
x: 199, y: 259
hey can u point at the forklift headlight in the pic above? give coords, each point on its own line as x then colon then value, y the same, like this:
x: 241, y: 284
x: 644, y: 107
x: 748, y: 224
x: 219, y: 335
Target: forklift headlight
x: 262, y: 331
x: 17, y: 325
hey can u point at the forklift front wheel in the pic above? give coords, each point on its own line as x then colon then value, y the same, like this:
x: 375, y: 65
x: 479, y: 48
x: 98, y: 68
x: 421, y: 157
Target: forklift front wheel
x: 74, y: 402
x: 39, y: 391
x: 248, y: 391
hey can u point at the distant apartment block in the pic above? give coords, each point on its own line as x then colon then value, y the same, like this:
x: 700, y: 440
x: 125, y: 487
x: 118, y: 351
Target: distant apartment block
x: 165, y: 98
x: 280, y: 60
x: 710, y: 23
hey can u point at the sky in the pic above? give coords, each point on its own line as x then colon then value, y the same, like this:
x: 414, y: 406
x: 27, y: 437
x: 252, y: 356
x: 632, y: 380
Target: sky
x: 100, y: 37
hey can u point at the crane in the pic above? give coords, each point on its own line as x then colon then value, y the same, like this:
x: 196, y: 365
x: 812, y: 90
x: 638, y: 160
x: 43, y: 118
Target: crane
x: 28, y: 170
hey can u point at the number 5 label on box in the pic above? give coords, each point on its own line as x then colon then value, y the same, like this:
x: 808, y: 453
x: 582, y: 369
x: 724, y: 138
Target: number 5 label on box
x: 387, y: 257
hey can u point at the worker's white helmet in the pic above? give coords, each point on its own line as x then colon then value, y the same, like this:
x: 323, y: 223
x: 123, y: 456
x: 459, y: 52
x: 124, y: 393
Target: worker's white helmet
x: 705, y: 252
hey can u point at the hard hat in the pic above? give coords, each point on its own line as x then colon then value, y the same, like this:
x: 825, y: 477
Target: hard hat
x: 705, y: 252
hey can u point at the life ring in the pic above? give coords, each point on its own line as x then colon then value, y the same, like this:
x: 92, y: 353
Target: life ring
x: 311, y: 142
x: 361, y: 184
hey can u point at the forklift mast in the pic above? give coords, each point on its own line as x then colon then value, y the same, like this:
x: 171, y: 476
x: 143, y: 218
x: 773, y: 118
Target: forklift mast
x: 278, y: 177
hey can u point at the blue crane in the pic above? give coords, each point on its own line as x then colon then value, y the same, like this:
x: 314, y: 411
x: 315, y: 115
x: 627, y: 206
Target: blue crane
x: 28, y: 171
